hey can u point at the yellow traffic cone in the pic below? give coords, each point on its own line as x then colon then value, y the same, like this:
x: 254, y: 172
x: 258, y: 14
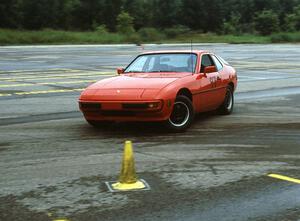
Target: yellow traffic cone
x: 128, y: 179
x: 128, y: 174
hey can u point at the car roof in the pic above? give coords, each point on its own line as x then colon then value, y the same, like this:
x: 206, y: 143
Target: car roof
x: 176, y: 51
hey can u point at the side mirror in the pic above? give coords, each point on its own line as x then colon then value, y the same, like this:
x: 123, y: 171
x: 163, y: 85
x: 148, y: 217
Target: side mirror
x: 209, y: 69
x: 120, y: 70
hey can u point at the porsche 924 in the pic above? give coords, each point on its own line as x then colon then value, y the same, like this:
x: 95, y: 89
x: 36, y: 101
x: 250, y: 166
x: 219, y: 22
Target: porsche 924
x: 166, y: 86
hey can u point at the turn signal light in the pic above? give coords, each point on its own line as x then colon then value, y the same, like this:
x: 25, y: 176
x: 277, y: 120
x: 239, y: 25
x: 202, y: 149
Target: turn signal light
x: 154, y: 105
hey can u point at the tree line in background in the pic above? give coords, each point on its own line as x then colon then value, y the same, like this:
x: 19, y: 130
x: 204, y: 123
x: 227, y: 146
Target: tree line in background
x: 147, y: 16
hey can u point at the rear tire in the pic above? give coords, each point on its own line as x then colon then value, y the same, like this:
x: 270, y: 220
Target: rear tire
x: 182, y: 114
x: 227, y: 107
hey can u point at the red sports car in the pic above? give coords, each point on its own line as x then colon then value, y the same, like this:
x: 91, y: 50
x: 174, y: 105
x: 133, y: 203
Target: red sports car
x: 167, y: 86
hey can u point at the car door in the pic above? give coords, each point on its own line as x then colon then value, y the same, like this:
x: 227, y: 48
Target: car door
x: 209, y: 91
x: 221, y: 80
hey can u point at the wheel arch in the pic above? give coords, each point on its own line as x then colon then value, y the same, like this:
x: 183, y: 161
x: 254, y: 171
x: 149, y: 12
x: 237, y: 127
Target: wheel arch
x: 231, y: 84
x: 186, y: 92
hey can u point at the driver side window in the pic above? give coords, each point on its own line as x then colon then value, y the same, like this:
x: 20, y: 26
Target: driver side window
x: 206, y: 61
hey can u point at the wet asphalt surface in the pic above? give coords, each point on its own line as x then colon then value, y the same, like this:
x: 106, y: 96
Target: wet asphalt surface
x: 53, y: 164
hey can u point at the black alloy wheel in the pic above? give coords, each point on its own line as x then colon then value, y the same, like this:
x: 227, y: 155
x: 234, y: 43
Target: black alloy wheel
x: 182, y: 114
x: 227, y: 106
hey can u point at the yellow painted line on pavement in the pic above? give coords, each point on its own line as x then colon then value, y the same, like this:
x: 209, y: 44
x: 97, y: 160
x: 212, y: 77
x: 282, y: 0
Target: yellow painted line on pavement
x: 50, y: 78
x: 49, y: 72
x: 61, y: 220
x: 286, y: 178
x: 58, y: 76
x: 79, y: 89
x: 33, y: 71
x: 15, y: 85
x: 46, y: 83
x: 66, y: 82
x: 57, y: 219
x: 5, y: 95
x: 265, y: 65
x: 48, y: 91
x: 39, y: 72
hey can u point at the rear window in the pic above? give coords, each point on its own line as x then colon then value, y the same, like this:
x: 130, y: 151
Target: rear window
x: 222, y: 60
x: 217, y: 63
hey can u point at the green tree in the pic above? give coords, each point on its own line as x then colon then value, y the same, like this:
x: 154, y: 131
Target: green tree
x: 292, y: 21
x: 205, y: 15
x: 33, y: 11
x: 141, y: 11
x: 125, y: 23
x: 232, y: 26
x: 11, y: 14
x: 101, y: 29
x: 110, y: 11
x: 67, y: 15
x: 166, y: 12
x: 87, y: 13
x: 266, y: 22
x: 201, y: 15
x: 150, y: 34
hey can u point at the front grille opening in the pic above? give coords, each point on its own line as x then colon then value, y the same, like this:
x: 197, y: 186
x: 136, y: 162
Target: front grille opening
x: 90, y: 106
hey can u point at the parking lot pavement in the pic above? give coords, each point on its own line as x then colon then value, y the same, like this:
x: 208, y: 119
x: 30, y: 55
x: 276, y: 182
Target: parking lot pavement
x: 53, y: 165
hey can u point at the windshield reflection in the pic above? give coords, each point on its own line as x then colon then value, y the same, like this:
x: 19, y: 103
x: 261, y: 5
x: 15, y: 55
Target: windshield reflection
x: 164, y: 62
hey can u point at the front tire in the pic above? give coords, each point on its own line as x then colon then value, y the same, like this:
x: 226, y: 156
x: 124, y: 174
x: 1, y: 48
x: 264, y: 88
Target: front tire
x: 227, y: 107
x: 182, y: 114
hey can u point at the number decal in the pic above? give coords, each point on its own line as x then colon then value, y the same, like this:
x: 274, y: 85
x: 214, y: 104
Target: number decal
x: 213, y: 81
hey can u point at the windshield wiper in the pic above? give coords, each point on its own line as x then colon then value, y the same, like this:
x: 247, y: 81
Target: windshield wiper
x: 133, y: 72
x: 160, y: 71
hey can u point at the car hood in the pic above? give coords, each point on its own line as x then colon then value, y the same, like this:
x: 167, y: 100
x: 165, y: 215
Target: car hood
x: 138, y: 81
x: 130, y: 86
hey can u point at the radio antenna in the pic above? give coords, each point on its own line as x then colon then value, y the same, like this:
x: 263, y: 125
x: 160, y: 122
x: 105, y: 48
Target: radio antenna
x: 192, y: 60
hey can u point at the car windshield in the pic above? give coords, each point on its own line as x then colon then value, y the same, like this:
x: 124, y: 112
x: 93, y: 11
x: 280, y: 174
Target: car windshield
x: 169, y: 62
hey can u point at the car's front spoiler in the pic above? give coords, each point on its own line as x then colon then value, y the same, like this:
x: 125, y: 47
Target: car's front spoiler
x: 125, y: 110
